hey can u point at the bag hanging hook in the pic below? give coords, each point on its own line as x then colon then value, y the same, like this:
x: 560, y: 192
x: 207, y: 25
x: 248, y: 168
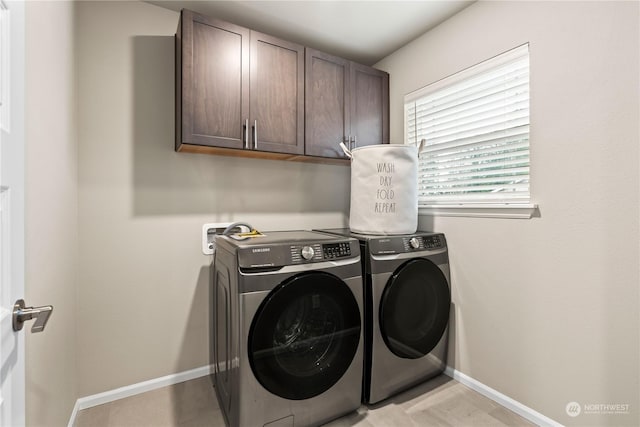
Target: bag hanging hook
x: 347, y: 152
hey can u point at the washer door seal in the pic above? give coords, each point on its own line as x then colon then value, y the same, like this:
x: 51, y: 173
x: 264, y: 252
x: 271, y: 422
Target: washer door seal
x: 414, y: 310
x: 304, y: 335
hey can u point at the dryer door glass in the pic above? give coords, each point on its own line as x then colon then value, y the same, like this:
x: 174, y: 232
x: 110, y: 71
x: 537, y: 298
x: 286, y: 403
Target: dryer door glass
x: 304, y: 335
x: 414, y: 310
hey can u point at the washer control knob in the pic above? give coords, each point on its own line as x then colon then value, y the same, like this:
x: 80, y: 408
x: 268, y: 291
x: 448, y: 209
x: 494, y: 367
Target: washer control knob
x: 307, y: 252
x: 414, y: 242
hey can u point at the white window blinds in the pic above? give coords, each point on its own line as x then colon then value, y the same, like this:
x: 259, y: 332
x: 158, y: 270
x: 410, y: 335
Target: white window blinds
x: 474, y: 127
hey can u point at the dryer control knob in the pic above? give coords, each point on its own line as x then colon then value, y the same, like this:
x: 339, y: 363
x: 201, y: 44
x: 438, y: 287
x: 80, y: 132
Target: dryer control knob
x: 414, y: 242
x: 307, y: 252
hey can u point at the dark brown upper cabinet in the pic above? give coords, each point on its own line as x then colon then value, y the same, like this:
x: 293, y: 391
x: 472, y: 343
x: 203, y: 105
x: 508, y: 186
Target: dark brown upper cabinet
x: 237, y: 88
x: 345, y: 102
x: 369, y: 106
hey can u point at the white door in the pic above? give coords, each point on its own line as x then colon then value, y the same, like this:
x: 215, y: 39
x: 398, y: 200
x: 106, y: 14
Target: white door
x: 12, y: 380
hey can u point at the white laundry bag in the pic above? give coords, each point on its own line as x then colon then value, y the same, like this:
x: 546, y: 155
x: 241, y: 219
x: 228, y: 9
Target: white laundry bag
x: 384, y: 189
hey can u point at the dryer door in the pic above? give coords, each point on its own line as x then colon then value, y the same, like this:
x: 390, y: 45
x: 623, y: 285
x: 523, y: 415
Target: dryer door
x: 414, y: 309
x: 304, y: 335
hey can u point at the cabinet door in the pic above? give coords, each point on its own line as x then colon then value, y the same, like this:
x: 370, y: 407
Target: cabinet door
x: 326, y: 104
x: 277, y: 95
x: 214, y: 68
x: 369, y: 105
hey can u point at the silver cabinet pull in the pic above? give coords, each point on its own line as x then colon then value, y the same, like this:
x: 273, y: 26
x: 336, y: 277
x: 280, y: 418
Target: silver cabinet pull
x: 355, y: 143
x: 255, y: 134
x: 21, y: 314
x: 245, y: 133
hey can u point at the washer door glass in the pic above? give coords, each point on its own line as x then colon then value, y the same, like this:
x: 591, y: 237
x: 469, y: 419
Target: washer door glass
x: 414, y: 310
x: 304, y: 335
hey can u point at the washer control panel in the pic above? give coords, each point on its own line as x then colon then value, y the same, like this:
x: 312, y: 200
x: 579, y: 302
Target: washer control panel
x: 336, y: 250
x: 319, y: 252
x: 279, y: 249
x: 306, y: 253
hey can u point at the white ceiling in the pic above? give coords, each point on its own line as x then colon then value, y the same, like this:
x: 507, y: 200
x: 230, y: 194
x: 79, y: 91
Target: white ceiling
x: 363, y: 31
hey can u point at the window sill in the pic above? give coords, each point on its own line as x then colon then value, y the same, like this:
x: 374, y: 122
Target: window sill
x: 519, y: 211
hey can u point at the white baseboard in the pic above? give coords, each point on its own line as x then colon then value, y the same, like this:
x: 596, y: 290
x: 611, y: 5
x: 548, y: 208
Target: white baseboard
x: 515, y: 406
x: 142, y: 387
x: 133, y: 389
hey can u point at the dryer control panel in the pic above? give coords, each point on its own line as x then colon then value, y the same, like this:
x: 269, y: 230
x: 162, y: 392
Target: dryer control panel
x: 403, y: 244
x: 422, y: 242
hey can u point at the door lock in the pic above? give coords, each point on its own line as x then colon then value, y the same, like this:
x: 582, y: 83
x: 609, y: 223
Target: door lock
x: 21, y: 314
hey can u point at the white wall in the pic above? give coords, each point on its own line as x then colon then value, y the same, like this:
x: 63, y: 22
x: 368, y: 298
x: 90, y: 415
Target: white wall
x: 51, y: 211
x: 143, y: 281
x: 546, y: 310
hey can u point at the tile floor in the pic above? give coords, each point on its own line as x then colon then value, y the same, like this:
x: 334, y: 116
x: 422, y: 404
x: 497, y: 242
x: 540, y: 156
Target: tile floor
x: 438, y: 402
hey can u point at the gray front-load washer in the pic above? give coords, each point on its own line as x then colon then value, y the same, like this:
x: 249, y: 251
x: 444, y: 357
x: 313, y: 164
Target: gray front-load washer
x: 408, y: 299
x: 287, y: 328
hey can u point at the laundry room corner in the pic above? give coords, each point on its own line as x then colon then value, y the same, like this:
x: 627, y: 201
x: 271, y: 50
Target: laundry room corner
x: 532, y: 296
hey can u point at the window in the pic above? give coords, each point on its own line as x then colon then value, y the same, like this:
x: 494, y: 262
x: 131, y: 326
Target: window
x: 473, y: 130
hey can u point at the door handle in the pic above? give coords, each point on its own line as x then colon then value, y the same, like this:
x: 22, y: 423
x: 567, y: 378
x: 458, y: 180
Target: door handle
x: 21, y: 314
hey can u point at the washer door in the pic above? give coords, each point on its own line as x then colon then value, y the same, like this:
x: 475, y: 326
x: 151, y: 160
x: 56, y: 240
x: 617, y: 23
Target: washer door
x: 304, y: 335
x: 414, y: 310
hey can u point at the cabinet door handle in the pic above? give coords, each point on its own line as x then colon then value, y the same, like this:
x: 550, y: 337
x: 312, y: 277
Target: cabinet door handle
x: 355, y: 143
x: 245, y: 133
x: 255, y: 134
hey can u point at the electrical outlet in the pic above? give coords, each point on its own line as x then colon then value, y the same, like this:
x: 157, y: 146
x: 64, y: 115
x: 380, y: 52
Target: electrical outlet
x: 211, y: 231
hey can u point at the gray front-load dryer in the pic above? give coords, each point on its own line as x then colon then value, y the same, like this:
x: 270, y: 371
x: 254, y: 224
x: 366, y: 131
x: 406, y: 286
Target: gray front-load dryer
x: 408, y: 299
x: 287, y: 328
